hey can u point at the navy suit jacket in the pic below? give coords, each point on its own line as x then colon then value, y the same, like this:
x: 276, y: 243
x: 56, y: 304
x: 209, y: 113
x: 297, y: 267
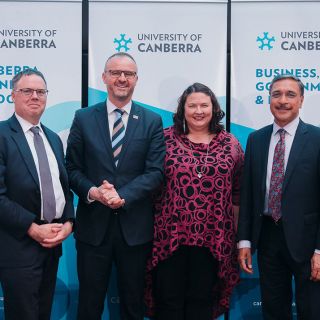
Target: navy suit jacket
x: 300, y: 205
x: 138, y: 174
x: 20, y: 195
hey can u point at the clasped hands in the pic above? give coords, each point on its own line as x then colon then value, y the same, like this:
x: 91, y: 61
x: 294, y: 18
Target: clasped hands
x: 50, y: 235
x: 107, y: 195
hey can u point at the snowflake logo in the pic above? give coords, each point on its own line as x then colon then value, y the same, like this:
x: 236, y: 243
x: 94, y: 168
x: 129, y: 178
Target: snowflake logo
x: 122, y: 43
x: 265, y: 41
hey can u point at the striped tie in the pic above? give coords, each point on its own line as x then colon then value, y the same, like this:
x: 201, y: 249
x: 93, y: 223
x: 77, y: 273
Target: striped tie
x: 117, y: 135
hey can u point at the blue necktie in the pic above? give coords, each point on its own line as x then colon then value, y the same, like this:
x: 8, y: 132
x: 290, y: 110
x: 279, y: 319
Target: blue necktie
x: 47, y: 192
x: 117, y: 135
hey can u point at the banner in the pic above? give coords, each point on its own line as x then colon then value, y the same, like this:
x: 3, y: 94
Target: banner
x: 46, y: 35
x: 174, y: 45
x: 269, y: 38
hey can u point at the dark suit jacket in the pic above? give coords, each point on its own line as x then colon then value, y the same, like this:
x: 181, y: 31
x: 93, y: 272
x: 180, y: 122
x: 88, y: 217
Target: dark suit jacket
x: 138, y: 174
x: 300, y: 204
x: 20, y: 196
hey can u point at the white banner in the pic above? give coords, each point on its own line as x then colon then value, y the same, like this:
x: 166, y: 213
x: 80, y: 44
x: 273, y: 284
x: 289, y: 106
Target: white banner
x: 174, y: 44
x: 46, y: 36
x: 268, y: 39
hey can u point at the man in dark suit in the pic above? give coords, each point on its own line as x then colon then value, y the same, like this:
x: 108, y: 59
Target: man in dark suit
x: 115, y: 160
x: 33, y: 221
x: 280, y: 206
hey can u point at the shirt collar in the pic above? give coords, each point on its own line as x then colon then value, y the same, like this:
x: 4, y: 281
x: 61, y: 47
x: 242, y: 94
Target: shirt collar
x: 290, y: 128
x: 26, y: 125
x: 111, y: 107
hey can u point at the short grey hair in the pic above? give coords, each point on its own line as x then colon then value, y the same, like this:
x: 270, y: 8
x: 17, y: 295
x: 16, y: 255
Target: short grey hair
x: 288, y: 76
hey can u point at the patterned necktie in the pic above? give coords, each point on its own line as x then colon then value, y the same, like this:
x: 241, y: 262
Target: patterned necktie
x: 117, y: 135
x: 47, y: 192
x: 277, y: 176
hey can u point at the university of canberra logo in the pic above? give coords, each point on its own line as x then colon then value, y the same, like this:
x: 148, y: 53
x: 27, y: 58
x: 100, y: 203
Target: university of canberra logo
x: 265, y: 42
x: 122, y: 43
x: 290, y: 40
x: 159, y: 43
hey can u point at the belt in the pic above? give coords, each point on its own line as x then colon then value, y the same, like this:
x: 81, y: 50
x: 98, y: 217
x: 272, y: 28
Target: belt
x: 269, y: 219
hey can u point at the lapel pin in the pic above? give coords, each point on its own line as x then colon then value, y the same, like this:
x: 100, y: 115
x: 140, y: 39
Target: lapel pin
x: 135, y: 117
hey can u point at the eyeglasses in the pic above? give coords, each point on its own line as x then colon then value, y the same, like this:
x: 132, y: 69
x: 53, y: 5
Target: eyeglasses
x: 117, y: 74
x: 28, y: 92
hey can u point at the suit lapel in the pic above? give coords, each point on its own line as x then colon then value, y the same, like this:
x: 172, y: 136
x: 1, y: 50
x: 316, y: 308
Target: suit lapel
x: 22, y: 144
x: 103, y: 124
x: 299, y: 141
x: 265, y: 142
x: 133, y: 122
x: 58, y: 153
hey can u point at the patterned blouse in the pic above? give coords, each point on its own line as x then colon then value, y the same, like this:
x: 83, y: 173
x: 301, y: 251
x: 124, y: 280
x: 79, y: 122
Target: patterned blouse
x: 195, y: 207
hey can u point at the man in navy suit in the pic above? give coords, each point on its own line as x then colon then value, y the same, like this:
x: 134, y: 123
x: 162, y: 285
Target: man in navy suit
x: 30, y: 244
x: 115, y: 161
x: 287, y: 235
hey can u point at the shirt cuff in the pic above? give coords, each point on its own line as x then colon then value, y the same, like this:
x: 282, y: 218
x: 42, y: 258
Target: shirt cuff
x: 317, y: 251
x: 88, y: 197
x: 244, y: 244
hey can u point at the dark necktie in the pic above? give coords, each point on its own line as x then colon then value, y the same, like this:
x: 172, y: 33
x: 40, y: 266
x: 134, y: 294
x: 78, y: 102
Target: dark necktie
x: 277, y: 176
x: 117, y: 135
x: 47, y: 192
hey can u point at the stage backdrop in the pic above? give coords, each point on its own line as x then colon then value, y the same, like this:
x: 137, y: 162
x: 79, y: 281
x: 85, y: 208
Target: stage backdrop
x: 46, y: 35
x: 270, y: 38
x: 174, y: 44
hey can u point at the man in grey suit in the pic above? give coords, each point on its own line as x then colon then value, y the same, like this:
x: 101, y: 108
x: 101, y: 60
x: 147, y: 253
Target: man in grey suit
x: 115, y: 161
x: 280, y: 206
x: 36, y: 208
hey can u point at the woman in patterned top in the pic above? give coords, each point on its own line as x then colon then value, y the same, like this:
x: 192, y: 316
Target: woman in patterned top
x: 193, y: 267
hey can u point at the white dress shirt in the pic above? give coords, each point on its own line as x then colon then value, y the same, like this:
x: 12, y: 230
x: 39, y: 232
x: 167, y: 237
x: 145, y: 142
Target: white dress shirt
x: 54, y: 169
x: 112, y: 115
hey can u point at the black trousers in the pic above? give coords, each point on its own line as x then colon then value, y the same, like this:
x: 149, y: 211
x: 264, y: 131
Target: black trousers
x: 277, y: 268
x: 184, y: 285
x: 94, y: 269
x: 28, y: 291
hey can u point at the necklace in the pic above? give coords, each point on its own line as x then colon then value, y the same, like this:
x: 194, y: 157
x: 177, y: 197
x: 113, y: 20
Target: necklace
x: 202, y: 169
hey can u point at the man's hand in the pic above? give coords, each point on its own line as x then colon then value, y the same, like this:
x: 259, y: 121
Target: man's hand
x: 99, y: 194
x: 61, y: 234
x: 315, y: 267
x: 44, y: 231
x: 107, y: 195
x: 116, y: 203
x: 245, y: 260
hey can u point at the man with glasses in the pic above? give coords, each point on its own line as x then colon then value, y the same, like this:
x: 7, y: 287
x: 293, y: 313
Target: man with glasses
x: 115, y: 160
x: 36, y: 209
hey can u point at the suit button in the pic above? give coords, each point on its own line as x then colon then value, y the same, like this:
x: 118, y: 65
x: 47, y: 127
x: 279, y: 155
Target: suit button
x: 116, y: 212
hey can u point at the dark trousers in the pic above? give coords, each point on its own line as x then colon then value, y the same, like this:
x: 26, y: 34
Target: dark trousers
x: 94, y: 269
x: 28, y: 291
x: 277, y: 268
x: 184, y: 285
